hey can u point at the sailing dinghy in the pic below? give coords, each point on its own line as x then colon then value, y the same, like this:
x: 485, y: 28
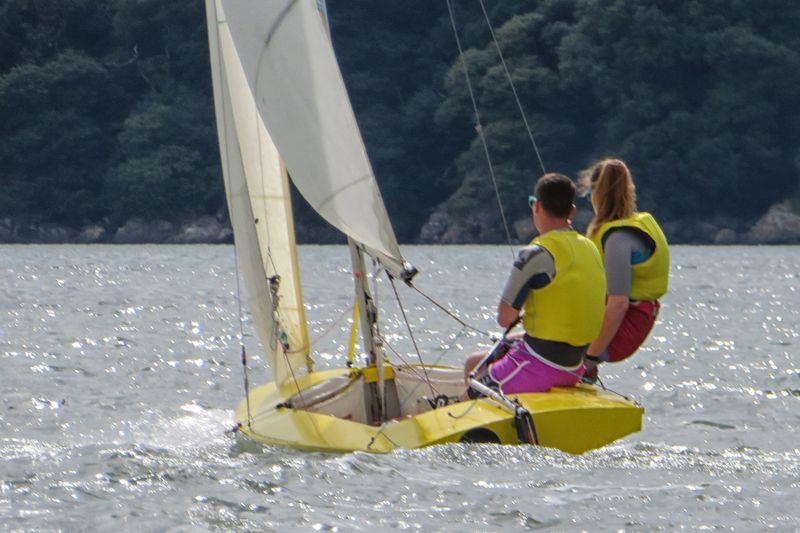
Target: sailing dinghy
x: 283, y: 113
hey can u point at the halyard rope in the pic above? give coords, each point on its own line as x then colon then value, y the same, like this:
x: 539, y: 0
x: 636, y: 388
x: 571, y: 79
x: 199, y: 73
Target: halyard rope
x: 513, y: 87
x: 479, y: 127
x: 423, y: 378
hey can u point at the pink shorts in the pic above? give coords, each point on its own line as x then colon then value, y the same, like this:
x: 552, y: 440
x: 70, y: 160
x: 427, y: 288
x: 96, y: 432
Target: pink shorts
x: 523, y: 370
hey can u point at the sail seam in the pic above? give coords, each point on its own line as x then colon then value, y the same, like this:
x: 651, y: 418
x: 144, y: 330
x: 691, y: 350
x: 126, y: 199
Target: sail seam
x: 281, y: 17
x: 343, y: 188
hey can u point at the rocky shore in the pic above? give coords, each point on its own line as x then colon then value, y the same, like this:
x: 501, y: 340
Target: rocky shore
x: 206, y: 229
x: 779, y: 225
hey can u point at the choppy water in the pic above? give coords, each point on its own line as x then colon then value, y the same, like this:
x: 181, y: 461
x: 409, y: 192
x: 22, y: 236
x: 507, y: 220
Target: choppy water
x: 119, y: 371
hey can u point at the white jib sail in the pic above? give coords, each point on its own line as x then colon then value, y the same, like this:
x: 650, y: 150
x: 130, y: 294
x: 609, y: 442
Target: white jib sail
x: 260, y: 208
x: 292, y: 71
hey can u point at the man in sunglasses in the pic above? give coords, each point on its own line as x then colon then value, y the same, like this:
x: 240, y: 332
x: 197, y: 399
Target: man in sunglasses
x: 558, y: 286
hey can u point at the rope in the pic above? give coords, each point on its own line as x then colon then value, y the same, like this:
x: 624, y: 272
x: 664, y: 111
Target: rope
x: 436, y: 362
x: 479, y: 128
x: 241, y: 337
x: 408, y: 365
x: 411, y: 334
x: 423, y: 378
x: 450, y: 313
x: 513, y: 88
x: 606, y: 389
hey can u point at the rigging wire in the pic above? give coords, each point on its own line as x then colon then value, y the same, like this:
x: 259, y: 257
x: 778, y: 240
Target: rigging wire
x: 274, y: 287
x: 479, y: 126
x: 449, y: 313
x: 411, y: 334
x: 241, y: 335
x: 513, y: 87
x: 423, y: 378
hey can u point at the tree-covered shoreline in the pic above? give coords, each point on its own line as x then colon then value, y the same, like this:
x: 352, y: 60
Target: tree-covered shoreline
x: 107, y: 132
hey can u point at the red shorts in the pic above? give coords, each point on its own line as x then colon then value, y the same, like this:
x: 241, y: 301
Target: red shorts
x: 633, y: 331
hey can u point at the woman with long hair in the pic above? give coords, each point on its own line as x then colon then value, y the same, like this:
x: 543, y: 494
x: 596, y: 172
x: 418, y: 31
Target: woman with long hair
x: 636, y: 257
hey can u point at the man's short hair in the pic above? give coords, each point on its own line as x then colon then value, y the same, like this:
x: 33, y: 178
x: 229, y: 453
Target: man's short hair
x: 556, y: 193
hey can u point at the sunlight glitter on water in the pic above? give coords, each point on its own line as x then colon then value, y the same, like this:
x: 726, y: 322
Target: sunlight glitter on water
x: 119, y: 382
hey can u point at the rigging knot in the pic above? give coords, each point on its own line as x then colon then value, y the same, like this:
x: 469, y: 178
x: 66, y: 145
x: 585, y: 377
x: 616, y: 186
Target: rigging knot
x: 274, y: 283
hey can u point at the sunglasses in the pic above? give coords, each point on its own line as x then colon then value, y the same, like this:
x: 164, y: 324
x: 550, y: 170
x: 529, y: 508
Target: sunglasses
x: 531, y: 199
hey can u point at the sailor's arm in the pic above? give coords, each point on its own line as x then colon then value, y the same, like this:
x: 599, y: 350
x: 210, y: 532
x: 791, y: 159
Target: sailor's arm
x: 618, y: 248
x: 616, y: 307
x: 533, y: 269
x: 506, y: 315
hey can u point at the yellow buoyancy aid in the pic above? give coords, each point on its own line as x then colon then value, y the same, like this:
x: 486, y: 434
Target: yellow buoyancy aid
x: 650, y: 279
x: 570, y: 308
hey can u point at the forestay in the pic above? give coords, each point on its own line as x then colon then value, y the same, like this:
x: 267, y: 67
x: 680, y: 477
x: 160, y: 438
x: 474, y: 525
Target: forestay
x: 291, y: 68
x: 258, y: 191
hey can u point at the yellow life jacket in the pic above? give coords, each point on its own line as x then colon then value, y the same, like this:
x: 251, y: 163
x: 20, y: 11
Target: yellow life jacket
x: 650, y: 279
x: 570, y: 308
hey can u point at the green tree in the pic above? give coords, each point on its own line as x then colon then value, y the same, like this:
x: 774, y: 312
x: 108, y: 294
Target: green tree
x: 697, y: 96
x: 556, y: 112
x: 34, y: 31
x: 169, y: 167
x: 57, y: 132
x: 167, y: 163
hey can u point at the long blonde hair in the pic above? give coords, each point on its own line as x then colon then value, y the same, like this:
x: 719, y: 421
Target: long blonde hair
x: 613, y: 193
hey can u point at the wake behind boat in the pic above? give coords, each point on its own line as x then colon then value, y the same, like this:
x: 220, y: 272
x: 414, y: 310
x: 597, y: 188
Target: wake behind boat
x: 283, y: 113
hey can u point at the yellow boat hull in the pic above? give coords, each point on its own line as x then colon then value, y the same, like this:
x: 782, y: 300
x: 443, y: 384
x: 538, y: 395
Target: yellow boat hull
x: 573, y: 419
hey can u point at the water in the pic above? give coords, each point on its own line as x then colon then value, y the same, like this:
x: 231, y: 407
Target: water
x: 120, y: 370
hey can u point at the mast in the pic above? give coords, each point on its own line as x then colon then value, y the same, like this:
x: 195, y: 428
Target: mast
x: 368, y: 315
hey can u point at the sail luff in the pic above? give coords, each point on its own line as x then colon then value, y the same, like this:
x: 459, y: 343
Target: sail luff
x: 260, y: 209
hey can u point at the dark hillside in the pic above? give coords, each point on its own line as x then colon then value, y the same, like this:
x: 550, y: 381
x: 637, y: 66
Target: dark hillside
x: 107, y: 132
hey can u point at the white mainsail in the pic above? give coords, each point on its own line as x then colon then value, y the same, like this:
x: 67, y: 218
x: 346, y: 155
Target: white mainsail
x: 260, y: 208
x: 288, y: 60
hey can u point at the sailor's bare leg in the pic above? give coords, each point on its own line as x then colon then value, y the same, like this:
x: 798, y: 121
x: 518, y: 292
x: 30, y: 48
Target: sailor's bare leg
x: 475, y: 358
x: 471, y: 363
